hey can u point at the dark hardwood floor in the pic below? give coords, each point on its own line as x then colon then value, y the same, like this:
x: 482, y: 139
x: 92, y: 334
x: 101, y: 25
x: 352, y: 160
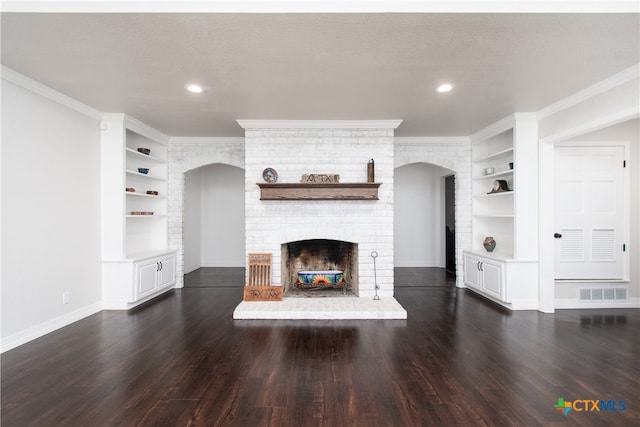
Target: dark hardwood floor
x: 456, y: 360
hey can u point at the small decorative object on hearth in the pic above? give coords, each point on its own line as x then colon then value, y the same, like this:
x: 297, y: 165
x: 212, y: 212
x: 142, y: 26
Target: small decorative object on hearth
x: 489, y: 244
x: 374, y: 255
x: 371, y: 171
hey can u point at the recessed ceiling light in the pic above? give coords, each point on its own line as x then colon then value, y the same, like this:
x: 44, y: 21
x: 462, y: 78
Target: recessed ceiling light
x: 446, y: 87
x: 191, y: 87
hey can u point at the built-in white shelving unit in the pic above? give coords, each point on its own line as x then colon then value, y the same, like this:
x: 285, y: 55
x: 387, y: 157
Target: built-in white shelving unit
x: 134, y: 208
x: 505, y: 152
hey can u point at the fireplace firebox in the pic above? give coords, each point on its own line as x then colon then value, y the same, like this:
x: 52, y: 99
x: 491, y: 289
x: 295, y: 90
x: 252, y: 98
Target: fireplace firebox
x: 316, y: 266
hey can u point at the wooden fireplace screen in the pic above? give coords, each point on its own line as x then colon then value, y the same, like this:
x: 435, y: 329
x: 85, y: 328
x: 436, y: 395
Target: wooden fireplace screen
x: 259, y: 287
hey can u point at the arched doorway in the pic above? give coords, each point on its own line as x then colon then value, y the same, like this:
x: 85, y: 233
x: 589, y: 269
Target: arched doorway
x: 214, y: 217
x: 419, y: 237
x: 420, y: 226
x: 454, y: 156
x: 186, y: 155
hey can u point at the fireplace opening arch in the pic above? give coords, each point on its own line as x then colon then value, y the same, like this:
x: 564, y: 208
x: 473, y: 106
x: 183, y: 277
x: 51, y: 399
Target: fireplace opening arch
x: 321, y: 256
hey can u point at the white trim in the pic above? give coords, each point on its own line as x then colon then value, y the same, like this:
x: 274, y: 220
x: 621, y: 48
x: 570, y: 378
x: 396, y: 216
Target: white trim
x: 500, y: 126
x: 464, y: 140
x: 136, y: 126
x: 574, y: 304
x: 41, y: 329
x: 319, y: 124
x: 322, y: 6
x: 45, y: 91
x: 594, y: 125
x: 206, y: 140
x: 191, y: 268
x: 605, y: 85
x: 592, y: 282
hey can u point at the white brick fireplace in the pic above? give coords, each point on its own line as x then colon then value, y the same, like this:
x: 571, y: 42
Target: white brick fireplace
x: 294, y: 148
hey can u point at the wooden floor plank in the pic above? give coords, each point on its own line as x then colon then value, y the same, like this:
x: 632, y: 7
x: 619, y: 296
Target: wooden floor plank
x: 457, y: 360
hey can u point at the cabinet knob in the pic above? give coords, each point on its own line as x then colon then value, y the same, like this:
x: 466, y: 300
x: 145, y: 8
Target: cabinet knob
x: 557, y: 236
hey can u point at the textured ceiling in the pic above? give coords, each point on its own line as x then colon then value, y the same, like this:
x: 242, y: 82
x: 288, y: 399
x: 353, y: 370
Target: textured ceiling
x: 319, y: 66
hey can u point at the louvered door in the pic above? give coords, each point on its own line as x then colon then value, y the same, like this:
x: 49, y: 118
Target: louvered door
x: 589, y: 219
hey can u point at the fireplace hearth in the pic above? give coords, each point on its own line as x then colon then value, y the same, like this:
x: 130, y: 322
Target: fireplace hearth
x: 314, y: 231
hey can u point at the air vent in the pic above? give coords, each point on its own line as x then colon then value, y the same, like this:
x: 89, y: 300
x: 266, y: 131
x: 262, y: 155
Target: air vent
x: 603, y: 294
x: 603, y: 245
x: 572, y: 246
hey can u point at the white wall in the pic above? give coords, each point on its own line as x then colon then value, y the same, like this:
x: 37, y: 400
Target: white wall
x: 50, y: 214
x: 192, y: 220
x: 222, y: 216
x: 419, y: 222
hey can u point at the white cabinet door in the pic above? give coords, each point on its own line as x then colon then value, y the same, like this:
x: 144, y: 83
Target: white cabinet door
x: 589, y: 217
x: 146, y: 279
x: 492, y: 279
x: 167, y: 272
x: 472, y: 273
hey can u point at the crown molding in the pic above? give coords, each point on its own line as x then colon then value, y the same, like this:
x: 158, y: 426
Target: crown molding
x: 605, y: 85
x: 494, y: 128
x: 206, y: 140
x: 321, y: 6
x: 594, y: 125
x: 45, y: 91
x: 432, y: 140
x: 319, y: 124
x: 502, y: 126
x: 136, y: 126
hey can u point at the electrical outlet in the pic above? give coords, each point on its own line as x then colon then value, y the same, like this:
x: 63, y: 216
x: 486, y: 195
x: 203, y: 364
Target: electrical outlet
x: 66, y: 297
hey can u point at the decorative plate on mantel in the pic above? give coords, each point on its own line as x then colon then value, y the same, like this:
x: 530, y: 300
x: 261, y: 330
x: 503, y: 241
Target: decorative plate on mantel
x: 270, y: 175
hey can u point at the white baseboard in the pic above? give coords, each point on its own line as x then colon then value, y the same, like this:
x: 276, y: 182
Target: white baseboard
x: 29, y: 334
x: 190, y: 268
x: 575, y: 304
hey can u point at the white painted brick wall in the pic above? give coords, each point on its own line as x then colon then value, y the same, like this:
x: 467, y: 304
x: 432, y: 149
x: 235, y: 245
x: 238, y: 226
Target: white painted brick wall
x: 343, y: 151
x: 453, y: 154
x: 186, y: 154
x: 294, y: 152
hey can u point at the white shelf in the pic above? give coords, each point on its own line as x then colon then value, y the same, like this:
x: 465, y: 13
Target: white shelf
x: 493, y: 175
x: 137, y: 155
x: 145, y: 216
x: 496, y: 155
x: 130, y: 193
x: 141, y: 256
x: 500, y: 194
x: 493, y: 215
x: 135, y: 173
